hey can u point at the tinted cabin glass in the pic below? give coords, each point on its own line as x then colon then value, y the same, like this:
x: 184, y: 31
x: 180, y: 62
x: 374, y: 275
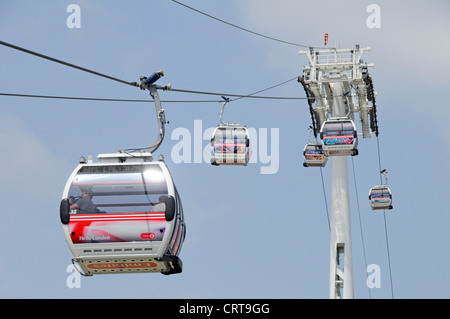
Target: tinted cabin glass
x: 230, y: 135
x: 119, y: 189
x: 227, y: 139
x: 380, y: 193
x: 338, y: 129
x: 314, y: 150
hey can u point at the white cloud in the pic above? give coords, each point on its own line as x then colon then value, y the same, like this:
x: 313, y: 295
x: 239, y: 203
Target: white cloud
x: 412, y: 34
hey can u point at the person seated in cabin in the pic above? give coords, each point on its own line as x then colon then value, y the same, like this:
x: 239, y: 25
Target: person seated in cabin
x: 161, y: 206
x: 85, y: 205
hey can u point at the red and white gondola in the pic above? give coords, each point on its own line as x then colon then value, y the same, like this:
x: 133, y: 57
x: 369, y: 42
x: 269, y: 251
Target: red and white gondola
x: 123, y: 214
x: 339, y: 137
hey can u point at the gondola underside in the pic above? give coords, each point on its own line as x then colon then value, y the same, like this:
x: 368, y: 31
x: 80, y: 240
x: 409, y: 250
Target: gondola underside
x: 166, y: 265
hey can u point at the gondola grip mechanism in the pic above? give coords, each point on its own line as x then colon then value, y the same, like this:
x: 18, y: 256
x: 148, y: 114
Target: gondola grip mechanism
x: 152, y: 78
x: 147, y: 82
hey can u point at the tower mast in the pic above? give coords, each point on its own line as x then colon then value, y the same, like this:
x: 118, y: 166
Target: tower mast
x: 341, y: 269
x: 336, y: 80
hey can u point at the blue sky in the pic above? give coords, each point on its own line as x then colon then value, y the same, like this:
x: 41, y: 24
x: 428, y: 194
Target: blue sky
x: 249, y: 235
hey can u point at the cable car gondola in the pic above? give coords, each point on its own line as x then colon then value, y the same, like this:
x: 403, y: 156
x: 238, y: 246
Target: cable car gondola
x: 380, y: 197
x: 314, y: 155
x: 230, y: 143
x: 123, y: 214
x: 230, y: 146
x: 339, y: 137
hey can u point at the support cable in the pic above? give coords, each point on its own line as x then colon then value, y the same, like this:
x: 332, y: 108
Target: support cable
x: 238, y: 96
x: 311, y: 129
x: 135, y: 84
x: 244, y: 29
x: 325, y: 199
x: 385, y: 223
x: 360, y: 223
x: 66, y: 63
x: 101, y: 99
x: 252, y: 95
x: 126, y: 100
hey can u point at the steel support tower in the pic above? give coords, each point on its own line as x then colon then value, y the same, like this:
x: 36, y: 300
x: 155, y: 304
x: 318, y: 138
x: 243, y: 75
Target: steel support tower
x: 337, y: 84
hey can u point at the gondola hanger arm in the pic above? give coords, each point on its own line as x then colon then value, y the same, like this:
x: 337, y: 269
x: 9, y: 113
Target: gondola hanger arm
x: 225, y: 101
x: 384, y: 172
x: 147, y: 83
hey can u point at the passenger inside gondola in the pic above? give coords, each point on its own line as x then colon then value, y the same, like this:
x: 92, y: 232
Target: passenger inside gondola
x: 85, y: 205
x: 161, y: 206
x: 117, y: 191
